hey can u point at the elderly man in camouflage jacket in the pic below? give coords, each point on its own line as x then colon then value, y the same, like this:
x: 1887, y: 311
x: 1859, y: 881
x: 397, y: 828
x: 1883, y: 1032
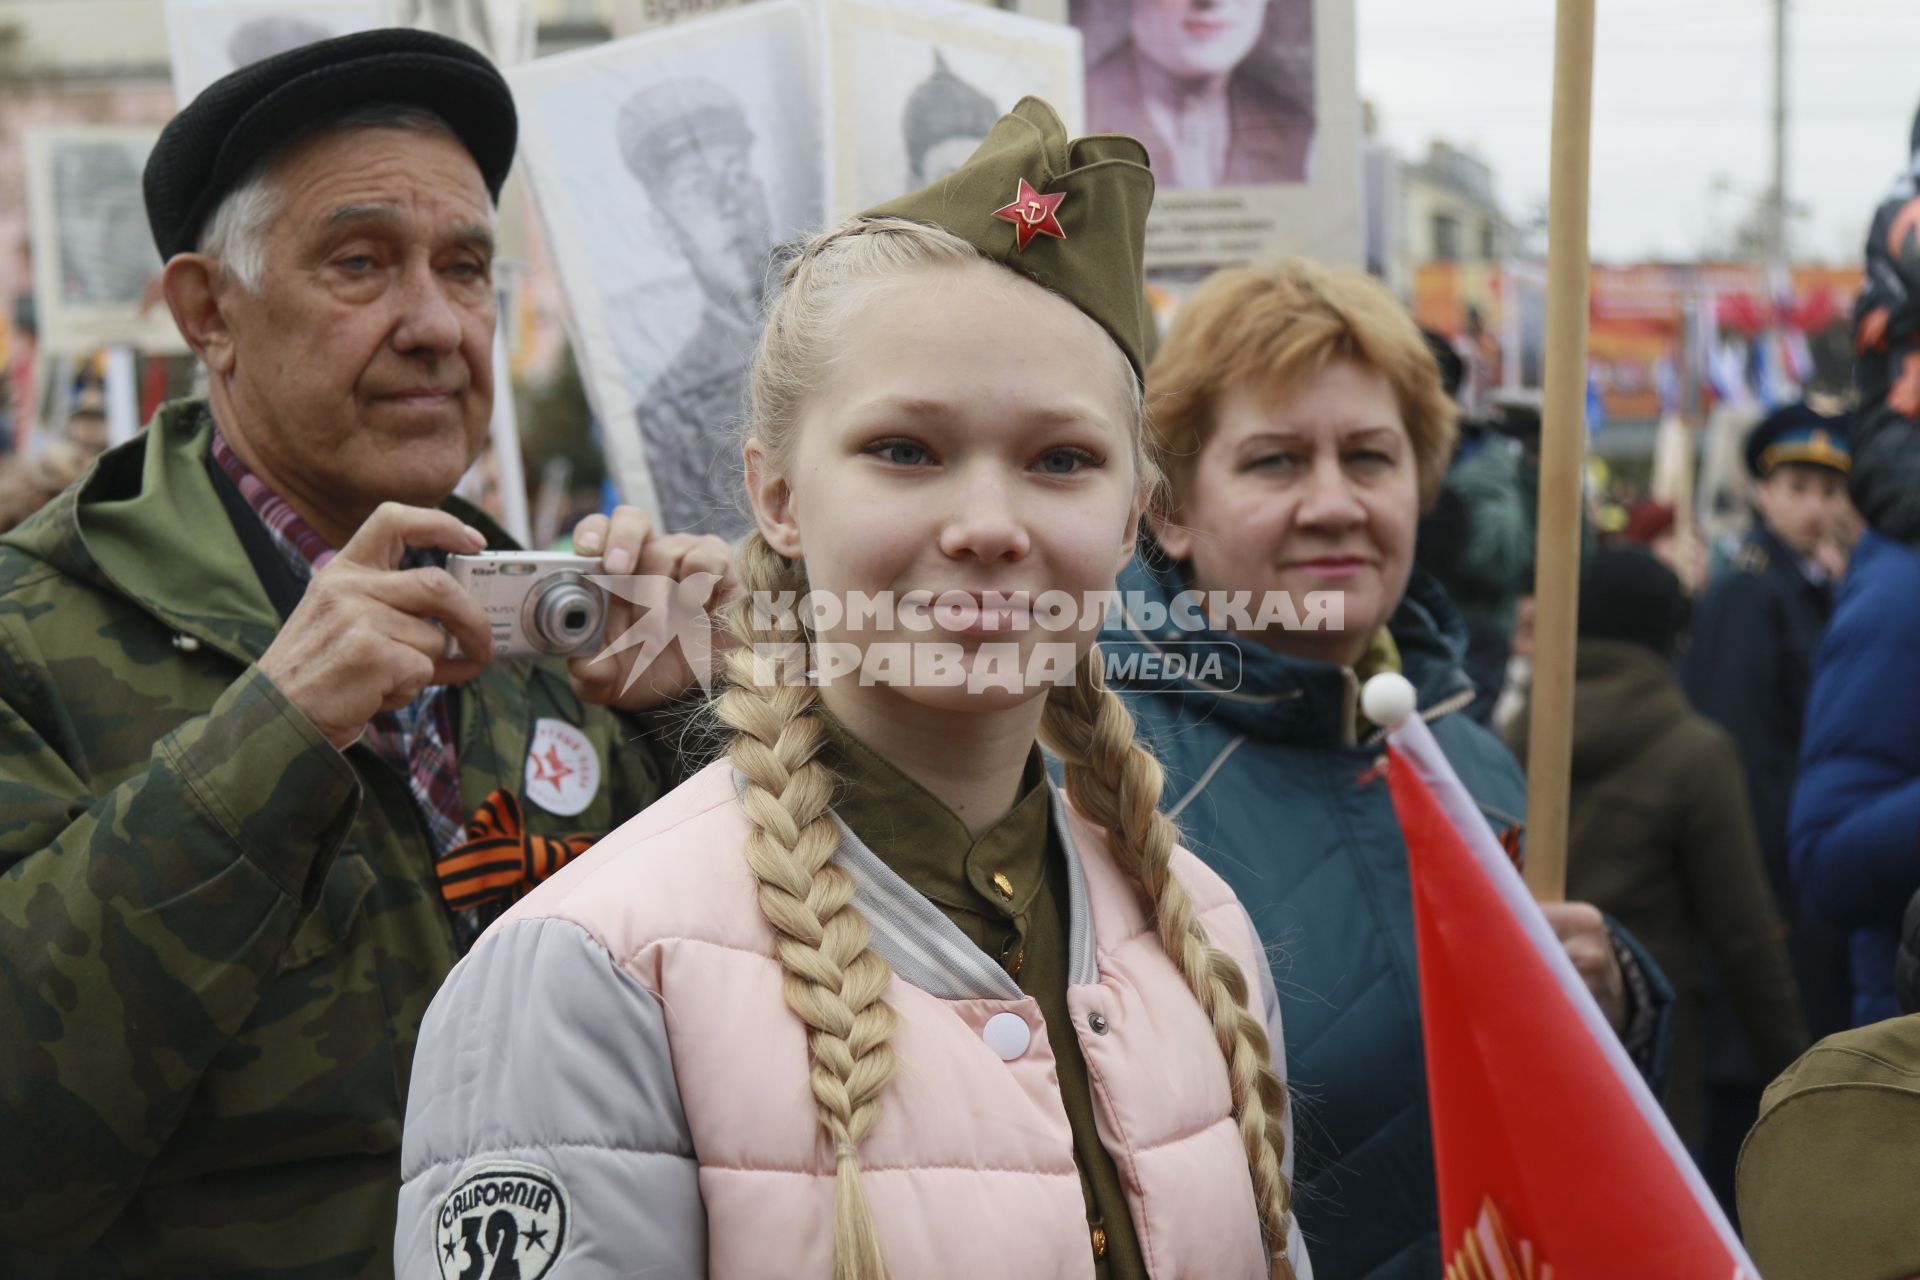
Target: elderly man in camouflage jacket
x: 237, y: 766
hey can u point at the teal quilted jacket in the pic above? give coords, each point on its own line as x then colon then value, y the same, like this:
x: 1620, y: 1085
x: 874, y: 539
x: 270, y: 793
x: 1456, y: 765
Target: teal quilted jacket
x: 1271, y: 788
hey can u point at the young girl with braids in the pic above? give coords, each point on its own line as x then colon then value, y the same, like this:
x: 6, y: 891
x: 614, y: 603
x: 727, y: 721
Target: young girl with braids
x: 868, y: 997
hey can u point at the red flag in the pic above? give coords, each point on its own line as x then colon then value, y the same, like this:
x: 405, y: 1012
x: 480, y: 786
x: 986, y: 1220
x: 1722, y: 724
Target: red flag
x: 1536, y: 1107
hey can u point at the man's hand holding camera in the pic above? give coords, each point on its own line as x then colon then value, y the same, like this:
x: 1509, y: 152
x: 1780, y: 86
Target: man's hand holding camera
x: 368, y: 635
x: 627, y: 544
x: 362, y: 639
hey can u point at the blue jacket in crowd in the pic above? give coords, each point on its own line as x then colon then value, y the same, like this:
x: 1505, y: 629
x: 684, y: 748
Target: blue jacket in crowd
x: 1856, y: 808
x: 1278, y: 788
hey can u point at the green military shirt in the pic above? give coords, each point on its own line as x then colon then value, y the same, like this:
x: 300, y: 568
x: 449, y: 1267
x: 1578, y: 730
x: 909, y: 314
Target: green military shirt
x: 1829, y: 1179
x: 218, y: 934
x: 1007, y: 891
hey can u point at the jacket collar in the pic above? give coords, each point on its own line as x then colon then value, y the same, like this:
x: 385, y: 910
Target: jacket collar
x: 1763, y: 536
x: 929, y: 951
x: 147, y: 524
x: 1274, y: 697
x: 998, y: 873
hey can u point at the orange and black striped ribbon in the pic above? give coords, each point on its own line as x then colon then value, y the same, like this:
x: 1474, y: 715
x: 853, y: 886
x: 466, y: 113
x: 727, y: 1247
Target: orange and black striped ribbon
x: 500, y: 858
x: 1511, y: 840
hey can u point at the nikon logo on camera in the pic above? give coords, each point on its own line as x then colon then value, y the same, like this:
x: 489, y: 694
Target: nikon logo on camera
x: 539, y: 603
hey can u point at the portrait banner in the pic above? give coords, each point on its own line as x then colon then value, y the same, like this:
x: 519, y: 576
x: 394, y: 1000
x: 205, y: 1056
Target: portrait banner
x: 210, y: 38
x: 666, y: 167
x: 1250, y: 112
x: 636, y: 17
x: 913, y: 86
x: 94, y: 259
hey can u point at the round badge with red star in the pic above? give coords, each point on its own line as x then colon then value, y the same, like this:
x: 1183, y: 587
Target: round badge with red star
x: 1033, y: 214
x: 563, y: 770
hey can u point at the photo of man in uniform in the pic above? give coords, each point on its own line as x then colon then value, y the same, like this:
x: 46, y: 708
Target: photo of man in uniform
x: 690, y: 146
x: 1189, y: 80
x: 106, y: 256
x: 945, y: 121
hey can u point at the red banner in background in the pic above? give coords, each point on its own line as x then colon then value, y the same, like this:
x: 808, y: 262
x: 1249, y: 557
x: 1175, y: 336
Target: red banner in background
x: 1636, y: 322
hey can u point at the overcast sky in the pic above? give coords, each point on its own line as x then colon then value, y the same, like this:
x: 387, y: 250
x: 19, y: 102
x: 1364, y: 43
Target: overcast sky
x: 1682, y: 94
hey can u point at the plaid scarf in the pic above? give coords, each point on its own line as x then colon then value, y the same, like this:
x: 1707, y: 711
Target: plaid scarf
x: 416, y: 740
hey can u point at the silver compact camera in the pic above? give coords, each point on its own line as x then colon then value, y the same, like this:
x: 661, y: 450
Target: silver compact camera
x: 538, y: 603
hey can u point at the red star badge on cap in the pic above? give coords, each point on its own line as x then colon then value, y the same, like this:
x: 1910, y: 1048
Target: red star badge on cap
x: 1033, y: 214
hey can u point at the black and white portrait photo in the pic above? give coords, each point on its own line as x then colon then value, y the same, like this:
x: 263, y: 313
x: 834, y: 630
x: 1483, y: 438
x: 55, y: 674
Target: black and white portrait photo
x: 689, y: 146
x: 914, y: 86
x: 93, y: 255
x: 944, y: 120
x: 210, y: 38
x: 1220, y: 91
x: 667, y: 167
x: 106, y: 252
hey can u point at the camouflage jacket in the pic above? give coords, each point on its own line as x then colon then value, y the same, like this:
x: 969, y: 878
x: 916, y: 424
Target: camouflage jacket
x: 218, y: 934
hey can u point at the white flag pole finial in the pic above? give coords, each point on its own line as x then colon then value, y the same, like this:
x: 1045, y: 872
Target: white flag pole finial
x: 1388, y: 699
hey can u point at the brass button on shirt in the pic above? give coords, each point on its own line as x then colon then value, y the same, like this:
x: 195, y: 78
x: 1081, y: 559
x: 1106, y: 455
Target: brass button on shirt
x: 1007, y: 892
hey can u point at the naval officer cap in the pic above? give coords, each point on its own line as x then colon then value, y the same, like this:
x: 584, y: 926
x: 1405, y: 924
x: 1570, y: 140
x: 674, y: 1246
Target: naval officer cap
x: 1070, y: 215
x: 1800, y: 434
x: 213, y: 145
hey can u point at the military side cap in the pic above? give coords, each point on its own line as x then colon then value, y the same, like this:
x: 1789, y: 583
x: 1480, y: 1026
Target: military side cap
x: 1829, y: 1179
x: 663, y: 122
x: 1802, y: 434
x: 213, y: 144
x: 1070, y: 215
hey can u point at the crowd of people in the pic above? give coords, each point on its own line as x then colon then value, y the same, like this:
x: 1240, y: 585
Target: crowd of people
x: 339, y: 943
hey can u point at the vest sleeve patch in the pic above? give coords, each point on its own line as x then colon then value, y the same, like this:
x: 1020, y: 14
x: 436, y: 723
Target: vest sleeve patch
x: 501, y: 1219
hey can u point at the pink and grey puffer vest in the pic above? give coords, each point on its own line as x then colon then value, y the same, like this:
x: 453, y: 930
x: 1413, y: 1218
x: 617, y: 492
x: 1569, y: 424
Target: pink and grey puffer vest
x: 611, y: 1084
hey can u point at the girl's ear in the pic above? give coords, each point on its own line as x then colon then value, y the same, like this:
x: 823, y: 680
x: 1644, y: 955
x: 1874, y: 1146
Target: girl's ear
x: 772, y: 499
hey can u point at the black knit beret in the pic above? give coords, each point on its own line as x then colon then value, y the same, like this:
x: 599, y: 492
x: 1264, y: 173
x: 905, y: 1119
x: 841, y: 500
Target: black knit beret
x: 212, y: 145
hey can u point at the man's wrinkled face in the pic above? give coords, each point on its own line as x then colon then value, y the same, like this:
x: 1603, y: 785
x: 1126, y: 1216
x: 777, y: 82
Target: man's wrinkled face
x: 362, y: 372
x: 1802, y: 504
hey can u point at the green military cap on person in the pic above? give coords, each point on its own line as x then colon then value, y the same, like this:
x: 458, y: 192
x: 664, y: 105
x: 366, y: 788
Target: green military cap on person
x: 1069, y: 214
x: 1829, y: 1179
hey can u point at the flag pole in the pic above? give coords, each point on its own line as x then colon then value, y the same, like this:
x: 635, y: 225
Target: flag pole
x: 1562, y: 449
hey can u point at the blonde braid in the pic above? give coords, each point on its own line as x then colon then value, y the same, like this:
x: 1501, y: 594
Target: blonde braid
x: 833, y: 980
x: 1116, y: 783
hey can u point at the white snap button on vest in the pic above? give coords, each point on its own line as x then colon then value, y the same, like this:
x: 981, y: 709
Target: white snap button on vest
x: 1007, y: 1034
